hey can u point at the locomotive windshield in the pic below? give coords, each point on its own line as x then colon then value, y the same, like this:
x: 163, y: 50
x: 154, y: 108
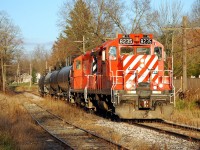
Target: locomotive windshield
x: 143, y: 50
x: 126, y: 51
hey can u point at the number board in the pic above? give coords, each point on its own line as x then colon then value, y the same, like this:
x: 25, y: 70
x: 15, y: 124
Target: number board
x: 145, y: 41
x: 127, y: 41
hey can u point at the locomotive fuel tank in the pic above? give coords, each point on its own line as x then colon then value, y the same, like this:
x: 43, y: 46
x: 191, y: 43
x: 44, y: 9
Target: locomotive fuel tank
x: 63, y: 78
x: 53, y: 80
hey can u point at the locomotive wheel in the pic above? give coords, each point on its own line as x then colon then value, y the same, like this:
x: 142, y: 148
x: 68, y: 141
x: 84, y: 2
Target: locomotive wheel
x: 115, y: 118
x: 91, y: 111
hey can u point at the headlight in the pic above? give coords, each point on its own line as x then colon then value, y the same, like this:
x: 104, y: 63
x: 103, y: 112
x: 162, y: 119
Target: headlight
x: 142, y: 60
x: 130, y: 85
x: 160, y: 85
x: 142, y: 65
x: 154, y: 87
x: 156, y: 92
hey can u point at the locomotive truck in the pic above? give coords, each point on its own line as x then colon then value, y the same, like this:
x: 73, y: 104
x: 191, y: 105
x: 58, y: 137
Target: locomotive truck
x: 126, y: 76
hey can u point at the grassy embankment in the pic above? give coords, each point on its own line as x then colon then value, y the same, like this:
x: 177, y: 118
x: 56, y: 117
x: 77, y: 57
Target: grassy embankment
x: 17, y: 129
x: 187, y: 111
x: 14, y: 131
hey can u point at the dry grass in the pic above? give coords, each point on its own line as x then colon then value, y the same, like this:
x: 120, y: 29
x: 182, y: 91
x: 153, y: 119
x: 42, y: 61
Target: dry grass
x: 22, y: 87
x: 189, y: 114
x: 17, y: 130
x: 187, y: 111
x: 75, y: 115
x: 79, y: 117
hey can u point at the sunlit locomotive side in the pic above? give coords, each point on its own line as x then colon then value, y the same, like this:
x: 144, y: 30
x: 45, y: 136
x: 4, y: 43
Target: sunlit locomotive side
x: 126, y: 77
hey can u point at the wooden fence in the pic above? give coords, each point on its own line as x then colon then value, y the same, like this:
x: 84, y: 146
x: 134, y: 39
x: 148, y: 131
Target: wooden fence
x: 192, y: 84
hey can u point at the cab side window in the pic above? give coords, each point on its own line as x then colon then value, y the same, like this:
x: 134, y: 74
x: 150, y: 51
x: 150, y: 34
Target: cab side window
x: 78, y: 64
x: 158, y: 52
x: 112, y: 53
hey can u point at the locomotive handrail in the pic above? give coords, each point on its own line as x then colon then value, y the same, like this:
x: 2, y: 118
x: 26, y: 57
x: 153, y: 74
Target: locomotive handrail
x: 89, y: 75
x: 115, y: 78
x: 87, y: 85
x: 170, y: 71
x: 170, y: 83
x: 115, y: 82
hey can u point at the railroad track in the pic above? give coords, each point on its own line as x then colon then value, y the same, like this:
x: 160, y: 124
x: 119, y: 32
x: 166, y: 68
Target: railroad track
x: 69, y: 135
x: 183, y: 131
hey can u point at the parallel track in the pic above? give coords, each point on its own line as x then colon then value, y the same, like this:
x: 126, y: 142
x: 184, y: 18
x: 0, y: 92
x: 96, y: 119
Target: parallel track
x: 183, y: 131
x: 69, y: 135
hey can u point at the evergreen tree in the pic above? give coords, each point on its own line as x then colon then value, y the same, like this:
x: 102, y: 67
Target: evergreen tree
x: 34, y: 76
x: 79, y: 25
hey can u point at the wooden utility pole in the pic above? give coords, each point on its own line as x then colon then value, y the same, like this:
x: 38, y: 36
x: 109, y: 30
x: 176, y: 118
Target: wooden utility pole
x: 3, y: 66
x: 30, y: 75
x: 84, y: 42
x: 18, y: 74
x: 184, y: 55
x: 3, y: 72
x: 46, y: 65
x: 184, y: 50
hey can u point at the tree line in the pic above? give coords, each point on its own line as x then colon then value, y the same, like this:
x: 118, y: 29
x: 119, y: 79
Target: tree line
x: 93, y: 22
x: 101, y: 19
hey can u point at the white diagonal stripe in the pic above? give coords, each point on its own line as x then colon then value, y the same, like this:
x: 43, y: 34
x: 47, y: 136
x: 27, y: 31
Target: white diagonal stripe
x: 133, y: 63
x: 144, y: 75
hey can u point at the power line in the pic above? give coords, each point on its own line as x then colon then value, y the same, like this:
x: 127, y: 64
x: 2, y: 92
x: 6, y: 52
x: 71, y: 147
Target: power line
x: 184, y: 48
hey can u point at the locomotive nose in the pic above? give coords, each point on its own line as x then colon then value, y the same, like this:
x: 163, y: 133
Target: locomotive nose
x: 140, y: 68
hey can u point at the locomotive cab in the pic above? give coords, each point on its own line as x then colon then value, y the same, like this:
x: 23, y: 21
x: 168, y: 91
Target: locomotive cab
x: 140, y: 84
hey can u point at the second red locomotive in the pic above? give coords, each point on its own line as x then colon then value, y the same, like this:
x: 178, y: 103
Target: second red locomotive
x: 124, y: 76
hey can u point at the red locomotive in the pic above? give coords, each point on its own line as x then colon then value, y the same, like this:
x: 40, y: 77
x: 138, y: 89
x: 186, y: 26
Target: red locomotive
x: 124, y: 76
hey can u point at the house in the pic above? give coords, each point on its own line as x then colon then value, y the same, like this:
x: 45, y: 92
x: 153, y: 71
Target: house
x: 25, y: 78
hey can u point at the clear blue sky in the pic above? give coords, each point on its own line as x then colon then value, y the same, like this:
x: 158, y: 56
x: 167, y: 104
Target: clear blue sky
x: 37, y: 19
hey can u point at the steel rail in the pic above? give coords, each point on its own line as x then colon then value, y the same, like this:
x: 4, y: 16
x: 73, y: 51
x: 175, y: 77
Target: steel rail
x: 183, y: 131
x: 56, y: 136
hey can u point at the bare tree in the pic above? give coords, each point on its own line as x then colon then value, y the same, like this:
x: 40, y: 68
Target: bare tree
x: 193, y: 44
x: 39, y: 59
x: 10, y: 41
x: 140, y: 11
x: 135, y: 18
x: 196, y: 12
x: 112, y: 11
x: 169, y: 14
